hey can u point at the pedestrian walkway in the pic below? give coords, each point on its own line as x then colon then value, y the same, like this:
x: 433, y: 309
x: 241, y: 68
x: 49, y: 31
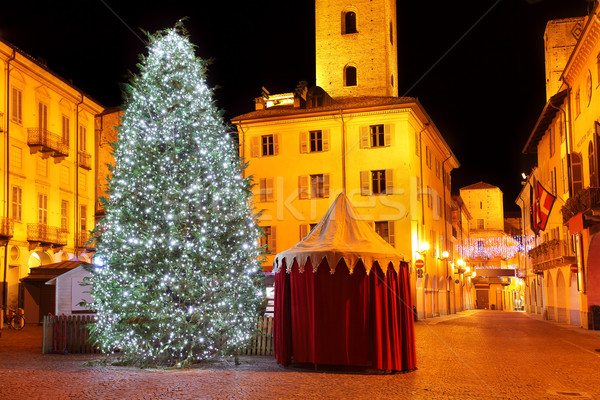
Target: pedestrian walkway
x: 472, y: 355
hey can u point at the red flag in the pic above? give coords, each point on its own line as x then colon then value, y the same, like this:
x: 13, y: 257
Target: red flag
x: 544, y: 202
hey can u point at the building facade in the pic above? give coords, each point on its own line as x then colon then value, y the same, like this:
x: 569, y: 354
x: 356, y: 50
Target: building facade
x: 566, y: 262
x: 352, y: 134
x: 46, y: 170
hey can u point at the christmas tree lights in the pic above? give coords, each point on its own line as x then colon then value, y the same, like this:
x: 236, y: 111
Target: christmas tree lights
x: 181, y: 278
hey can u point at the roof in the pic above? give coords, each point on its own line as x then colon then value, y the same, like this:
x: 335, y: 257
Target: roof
x: 341, y: 234
x: 541, y: 126
x: 46, y: 272
x: 340, y: 103
x: 479, y: 185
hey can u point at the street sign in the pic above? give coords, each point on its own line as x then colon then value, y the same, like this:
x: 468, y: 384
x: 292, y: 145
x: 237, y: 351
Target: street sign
x: 419, y: 272
x: 419, y: 263
x: 574, y: 268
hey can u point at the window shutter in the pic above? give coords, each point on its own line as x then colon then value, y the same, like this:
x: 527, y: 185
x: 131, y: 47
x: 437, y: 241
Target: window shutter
x: 255, y: 146
x: 15, y: 105
x: 389, y: 182
x: 391, y: 233
x: 269, y: 189
x: 276, y: 144
x: 262, y: 189
x: 364, y: 137
x: 325, y: 136
x: 387, y: 131
x: 303, y: 187
x: 365, y: 183
x: 273, y: 240
x: 577, y: 172
x: 303, y: 230
x: 303, y: 142
x: 325, y: 185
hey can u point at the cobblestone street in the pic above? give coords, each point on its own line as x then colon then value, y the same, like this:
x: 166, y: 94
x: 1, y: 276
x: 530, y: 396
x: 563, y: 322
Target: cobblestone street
x: 472, y: 355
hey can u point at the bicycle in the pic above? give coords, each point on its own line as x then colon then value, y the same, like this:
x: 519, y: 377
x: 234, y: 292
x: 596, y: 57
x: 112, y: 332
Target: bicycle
x: 14, y: 320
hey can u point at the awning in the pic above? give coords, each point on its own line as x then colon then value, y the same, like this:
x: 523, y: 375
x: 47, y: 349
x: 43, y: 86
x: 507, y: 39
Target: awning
x: 46, y: 272
x: 541, y: 126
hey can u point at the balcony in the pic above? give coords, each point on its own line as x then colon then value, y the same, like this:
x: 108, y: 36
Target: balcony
x: 85, y: 160
x: 82, y: 242
x: 587, y: 202
x: 45, y: 236
x: 6, y: 230
x: 47, y: 143
x: 554, y: 253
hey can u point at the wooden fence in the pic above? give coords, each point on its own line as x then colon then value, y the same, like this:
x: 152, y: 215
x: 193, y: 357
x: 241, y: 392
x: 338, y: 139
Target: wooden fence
x: 69, y: 334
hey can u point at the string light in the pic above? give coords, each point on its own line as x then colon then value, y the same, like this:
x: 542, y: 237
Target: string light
x: 498, y: 247
x: 179, y: 282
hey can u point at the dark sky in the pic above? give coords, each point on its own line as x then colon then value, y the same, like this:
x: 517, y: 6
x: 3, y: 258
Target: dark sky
x: 484, y: 95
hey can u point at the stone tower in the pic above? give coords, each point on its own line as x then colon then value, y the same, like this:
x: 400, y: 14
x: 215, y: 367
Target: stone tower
x: 356, y: 47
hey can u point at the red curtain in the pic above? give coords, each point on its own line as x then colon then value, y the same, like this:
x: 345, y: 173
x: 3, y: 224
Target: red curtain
x: 343, y: 319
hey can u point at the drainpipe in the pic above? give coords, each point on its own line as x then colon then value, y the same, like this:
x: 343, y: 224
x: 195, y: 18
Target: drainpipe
x: 76, y: 191
x: 445, y: 209
x: 7, y: 176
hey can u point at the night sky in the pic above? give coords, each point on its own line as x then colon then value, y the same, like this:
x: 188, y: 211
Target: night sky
x: 484, y: 95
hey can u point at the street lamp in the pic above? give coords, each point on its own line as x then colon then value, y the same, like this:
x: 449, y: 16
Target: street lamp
x: 444, y: 256
x: 424, y: 247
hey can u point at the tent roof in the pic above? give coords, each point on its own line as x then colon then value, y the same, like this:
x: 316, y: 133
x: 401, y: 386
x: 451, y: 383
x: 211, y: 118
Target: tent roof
x: 341, y: 234
x: 46, y: 272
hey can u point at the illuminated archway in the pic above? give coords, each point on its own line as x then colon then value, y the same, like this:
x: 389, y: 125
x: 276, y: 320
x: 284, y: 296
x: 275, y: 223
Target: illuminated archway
x: 550, y: 299
x: 38, y: 258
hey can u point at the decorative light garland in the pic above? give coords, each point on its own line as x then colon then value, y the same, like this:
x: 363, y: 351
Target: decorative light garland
x: 498, y: 247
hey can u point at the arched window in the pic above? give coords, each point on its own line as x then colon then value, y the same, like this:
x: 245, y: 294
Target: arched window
x: 349, y: 22
x: 592, y: 165
x: 350, y: 76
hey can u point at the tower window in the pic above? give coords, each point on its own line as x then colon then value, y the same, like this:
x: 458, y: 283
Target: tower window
x: 349, y: 22
x: 350, y: 76
x: 391, y: 33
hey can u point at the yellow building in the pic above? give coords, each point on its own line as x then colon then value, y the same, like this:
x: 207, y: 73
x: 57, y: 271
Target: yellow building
x: 352, y: 133
x: 566, y: 263
x: 461, y: 234
x: 47, y: 163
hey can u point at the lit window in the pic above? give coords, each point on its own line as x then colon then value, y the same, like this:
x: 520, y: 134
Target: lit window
x: 317, y: 186
x: 82, y: 138
x: 269, y: 239
x: 17, y: 105
x: 382, y: 229
x: 64, y: 215
x: 42, y: 117
x: 42, y: 208
x: 17, y: 197
x: 66, y: 129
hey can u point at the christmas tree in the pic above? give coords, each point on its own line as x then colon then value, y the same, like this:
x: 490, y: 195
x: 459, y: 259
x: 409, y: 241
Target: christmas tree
x: 180, y: 279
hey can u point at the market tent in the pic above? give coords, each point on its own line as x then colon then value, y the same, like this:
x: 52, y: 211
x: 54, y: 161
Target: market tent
x: 342, y: 297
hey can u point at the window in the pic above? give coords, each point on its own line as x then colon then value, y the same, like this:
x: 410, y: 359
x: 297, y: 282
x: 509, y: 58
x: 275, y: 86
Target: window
x: 42, y: 166
x: 269, y: 239
x: 429, y: 198
x: 592, y: 165
x: 313, y: 186
x: 559, y: 126
x: 551, y: 142
x: 82, y: 138
x: 391, y: 34
x: 65, y: 175
x: 480, y: 224
x: 82, y: 182
x: 385, y: 229
x: 577, y: 102
x: 552, y: 182
x: 42, y: 208
x: 66, y: 129
x: 17, y: 105
x: 266, y: 189
x: 266, y: 145
x: 417, y: 144
x: 83, y: 218
x: 317, y: 186
x: 64, y: 215
x: 316, y: 141
x: 42, y: 116
x: 349, y: 22
x: 17, y: 204
x: 481, y: 205
x: 378, y: 181
x: 428, y: 157
x: 563, y: 165
x: 377, y: 136
x: 438, y: 168
x: 350, y: 76
x: 577, y: 172
x: 16, y: 157
x: 305, y: 229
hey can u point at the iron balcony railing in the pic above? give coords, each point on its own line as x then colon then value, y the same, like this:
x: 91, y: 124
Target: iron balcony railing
x: 7, y: 228
x: 83, y: 239
x: 584, y: 201
x: 85, y: 160
x: 551, y: 254
x: 47, y: 142
x: 46, y: 234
